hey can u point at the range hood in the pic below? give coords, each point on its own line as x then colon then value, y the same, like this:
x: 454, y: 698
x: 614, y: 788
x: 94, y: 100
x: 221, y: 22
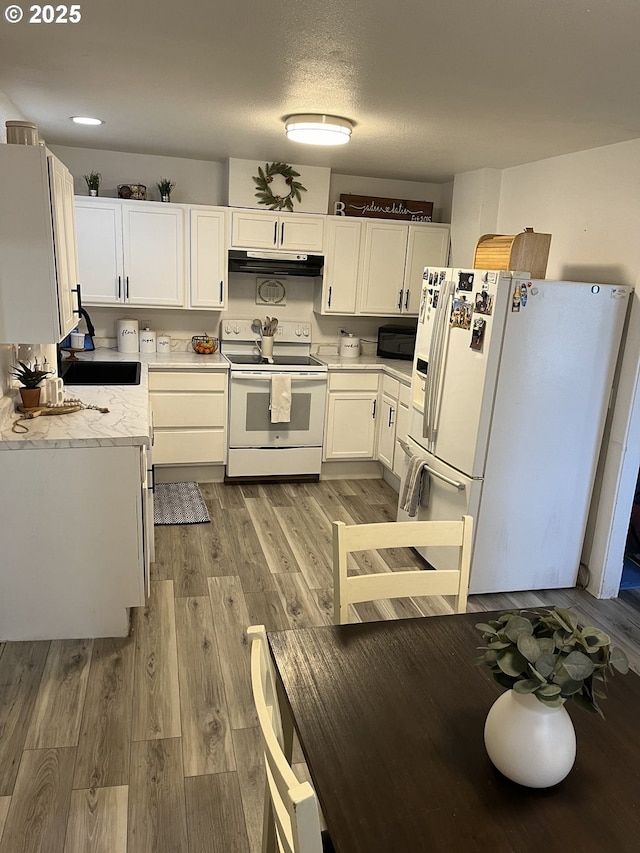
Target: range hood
x: 260, y: 262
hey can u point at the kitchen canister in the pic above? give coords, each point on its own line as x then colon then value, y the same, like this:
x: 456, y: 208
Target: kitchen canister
x: 349, y: 345
x: 22, y: 133
x: 128, y: 335
x: 163, y: 343
x: 147, y: 340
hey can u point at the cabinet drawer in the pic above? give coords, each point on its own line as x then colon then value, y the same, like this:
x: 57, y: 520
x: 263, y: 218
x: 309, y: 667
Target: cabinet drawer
x: 189, y: 447
x: 390, y: 386
x: 364, y: 380
x: 185, y: 380
x: 404, y: 395
x: 189, y: 410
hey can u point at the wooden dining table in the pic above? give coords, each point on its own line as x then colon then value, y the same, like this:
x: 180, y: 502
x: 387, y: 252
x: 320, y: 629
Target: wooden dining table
x: 390, y: 719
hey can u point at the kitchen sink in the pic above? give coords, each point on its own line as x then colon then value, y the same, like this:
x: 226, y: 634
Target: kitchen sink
x: 101, y: 372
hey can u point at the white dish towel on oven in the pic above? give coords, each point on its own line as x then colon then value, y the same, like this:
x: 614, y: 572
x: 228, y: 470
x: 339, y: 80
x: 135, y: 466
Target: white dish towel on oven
x: 280, y: 398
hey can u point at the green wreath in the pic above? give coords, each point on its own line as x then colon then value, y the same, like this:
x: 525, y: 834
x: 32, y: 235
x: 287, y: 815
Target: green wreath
x: 265, y: 177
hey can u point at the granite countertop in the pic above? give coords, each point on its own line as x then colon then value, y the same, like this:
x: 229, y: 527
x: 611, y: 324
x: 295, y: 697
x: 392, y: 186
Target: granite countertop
x: 397, y: 368
x: 126, y: 423
x: 160, y: 361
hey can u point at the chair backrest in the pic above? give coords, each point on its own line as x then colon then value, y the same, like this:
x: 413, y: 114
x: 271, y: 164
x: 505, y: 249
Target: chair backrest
x: 402, y: 584
x: 291, y: 805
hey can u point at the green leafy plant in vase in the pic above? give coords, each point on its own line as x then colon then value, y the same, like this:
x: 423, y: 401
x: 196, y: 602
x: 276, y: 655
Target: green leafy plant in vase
x: 545, y: 658
x: 165, y: 188
x: 30, y: 379
x: 93, y: 182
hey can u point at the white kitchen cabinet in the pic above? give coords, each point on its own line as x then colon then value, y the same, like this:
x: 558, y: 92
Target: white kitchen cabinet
x: 402, y: 429
x: 382, y: 271
x: 338, y: 294
x: 131, y: 253
x: 393, y: 422
x: 208, y: 257
x: 189, y: 415
x: 38, y: 273
x: 74, y: 573
x: 293, y: 232
x: 350, y: 423
x: 393, y: 258
x: 427, y: 246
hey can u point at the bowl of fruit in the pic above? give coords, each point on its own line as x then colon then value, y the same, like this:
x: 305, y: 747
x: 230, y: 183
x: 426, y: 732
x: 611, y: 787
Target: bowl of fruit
x: 204, y: 344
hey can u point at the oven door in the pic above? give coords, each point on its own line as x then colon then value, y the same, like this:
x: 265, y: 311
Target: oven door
x: 250, y: 414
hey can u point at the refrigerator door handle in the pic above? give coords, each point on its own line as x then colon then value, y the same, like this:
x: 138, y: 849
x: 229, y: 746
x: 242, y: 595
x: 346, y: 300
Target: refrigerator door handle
x: 456, y: 483
x: 435, y: 362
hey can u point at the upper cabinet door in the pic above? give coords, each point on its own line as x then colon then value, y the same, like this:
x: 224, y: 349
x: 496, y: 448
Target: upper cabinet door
x: 254, y: 230
x: 295, y: 232
x: 64, y: 240
x: 427, y: 246
x: 342, y: 263
x: 382, y: 274
x: 99, y: 230
x: 154, y: 257
x: 301, y: 232
x: 208, y: 258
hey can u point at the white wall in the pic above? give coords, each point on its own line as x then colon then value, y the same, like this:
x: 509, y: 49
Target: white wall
x: 589, y: 202
x: 197, y: 181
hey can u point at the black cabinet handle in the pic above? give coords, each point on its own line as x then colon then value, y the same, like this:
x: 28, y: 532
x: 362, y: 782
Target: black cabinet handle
x: 221, y: 291
x: 373, y: 412
x: 399, y: 300
x: 275, y: 233
x: 282, y: 234
x: 76, y: 290
x: 329, y: 299
x: 126, y: 290
x: 119, y: 286
x: 406, y: 300
x: 391, y: 414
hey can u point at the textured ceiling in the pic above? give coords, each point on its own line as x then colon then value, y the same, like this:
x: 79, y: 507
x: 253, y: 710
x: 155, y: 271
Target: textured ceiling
x: 435, y: 87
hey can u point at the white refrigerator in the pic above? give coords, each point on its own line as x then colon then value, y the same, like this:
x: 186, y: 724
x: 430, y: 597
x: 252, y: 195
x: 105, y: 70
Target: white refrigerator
x: 511, y: 383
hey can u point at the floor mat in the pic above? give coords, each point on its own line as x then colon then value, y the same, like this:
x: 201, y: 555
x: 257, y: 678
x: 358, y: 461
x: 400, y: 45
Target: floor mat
x: 179, y: 503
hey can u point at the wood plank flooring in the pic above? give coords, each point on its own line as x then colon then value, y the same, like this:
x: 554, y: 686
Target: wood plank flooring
x: 149, y: 743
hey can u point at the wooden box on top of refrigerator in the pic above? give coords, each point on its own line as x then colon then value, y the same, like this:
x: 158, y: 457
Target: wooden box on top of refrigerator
x: 527, y: 251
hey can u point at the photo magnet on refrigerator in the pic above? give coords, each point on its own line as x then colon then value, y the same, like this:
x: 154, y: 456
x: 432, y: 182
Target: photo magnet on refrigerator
x: 483, y: 303
x: 477, y: 334
x: 523, y: 294
x: 460, y: 314
x: 515, y: 302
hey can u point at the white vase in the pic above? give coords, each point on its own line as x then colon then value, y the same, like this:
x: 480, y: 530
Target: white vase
x: 529, y: 742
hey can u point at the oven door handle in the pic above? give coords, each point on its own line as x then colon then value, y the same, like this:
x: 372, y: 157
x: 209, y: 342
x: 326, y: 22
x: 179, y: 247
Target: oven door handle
x: 245, y: 375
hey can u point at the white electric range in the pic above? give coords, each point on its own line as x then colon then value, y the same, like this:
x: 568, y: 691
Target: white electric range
x: 258, y: 447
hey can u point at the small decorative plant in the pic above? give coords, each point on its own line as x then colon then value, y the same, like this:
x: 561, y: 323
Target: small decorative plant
x: 93, y: 181
x: 547, y: 653
x: 165, y: 188
x: 27, y: 376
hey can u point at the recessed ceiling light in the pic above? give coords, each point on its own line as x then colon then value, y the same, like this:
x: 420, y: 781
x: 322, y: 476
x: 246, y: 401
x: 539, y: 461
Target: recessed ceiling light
x: 318, y: 129
x: 86, y: 120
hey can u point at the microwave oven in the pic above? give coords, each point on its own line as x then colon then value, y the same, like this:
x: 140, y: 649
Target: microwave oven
x: 396, y: 341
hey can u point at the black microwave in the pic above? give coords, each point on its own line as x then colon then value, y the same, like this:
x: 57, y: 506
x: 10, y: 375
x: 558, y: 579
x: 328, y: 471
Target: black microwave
x: 396, y: 342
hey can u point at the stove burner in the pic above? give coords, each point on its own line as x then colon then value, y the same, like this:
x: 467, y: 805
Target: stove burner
x: 296, y: 360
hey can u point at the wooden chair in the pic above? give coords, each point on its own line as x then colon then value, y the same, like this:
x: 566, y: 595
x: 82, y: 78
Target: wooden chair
x: 364, y: 537
x: 291, y: 817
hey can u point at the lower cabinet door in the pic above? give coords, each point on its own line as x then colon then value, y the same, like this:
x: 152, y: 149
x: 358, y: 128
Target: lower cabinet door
x: 387, y: 430
x: 350, y: 429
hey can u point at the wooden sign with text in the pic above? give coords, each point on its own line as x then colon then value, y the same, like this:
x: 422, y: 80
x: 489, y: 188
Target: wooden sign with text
x: 384, y: 208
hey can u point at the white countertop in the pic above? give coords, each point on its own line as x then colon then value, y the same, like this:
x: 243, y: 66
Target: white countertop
x: 160, y: 361
x: 397, y: 368
x: 126, y: 422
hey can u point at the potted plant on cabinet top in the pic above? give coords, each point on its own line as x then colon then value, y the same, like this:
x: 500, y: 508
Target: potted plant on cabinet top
x: 165, y: 188
x: 30, y: 380
x: 546, y: 658
x: 93, y: 182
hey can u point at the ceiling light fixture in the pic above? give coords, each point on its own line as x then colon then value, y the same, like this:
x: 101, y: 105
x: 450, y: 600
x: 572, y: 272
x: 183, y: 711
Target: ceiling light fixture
x: 86, y: 120
x: 318, y: 129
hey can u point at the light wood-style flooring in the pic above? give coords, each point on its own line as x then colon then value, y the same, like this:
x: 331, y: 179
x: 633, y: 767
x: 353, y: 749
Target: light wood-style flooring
x: 149, y: 744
